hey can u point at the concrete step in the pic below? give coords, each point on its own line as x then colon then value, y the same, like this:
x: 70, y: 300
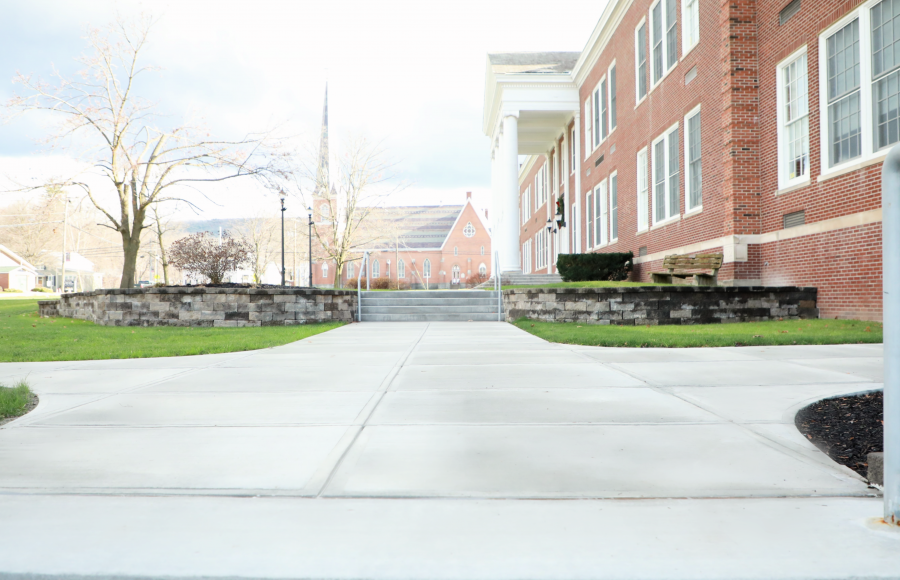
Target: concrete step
x: 431, y: 302
x: 403, y: 294
x: 430, y: 309
x: 434, y: 317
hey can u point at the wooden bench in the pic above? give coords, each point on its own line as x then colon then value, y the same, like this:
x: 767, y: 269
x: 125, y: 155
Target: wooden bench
x: 680, y: 266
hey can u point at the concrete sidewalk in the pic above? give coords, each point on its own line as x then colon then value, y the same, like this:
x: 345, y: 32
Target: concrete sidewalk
x: 428, y: 450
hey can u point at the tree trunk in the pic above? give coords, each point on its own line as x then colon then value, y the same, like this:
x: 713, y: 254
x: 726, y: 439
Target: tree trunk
x: 338, y: 270
x: 131, y: 245
x: 162, y: 256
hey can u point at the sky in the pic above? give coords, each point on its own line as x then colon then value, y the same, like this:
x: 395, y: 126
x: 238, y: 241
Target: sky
x: 408, y: 73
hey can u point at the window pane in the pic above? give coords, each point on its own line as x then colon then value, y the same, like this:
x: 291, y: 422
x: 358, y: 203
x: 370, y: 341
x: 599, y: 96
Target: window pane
x: 596, y: 117
x: 590, y: 214
x: 887, y: 110
x: 656, y: 23
x: 659, y: 180
x: 674, y: 188
x: 694, y: 161
x: 885, y: 37
x: 671, y: 34
x: 843, y: 61
x: 844, y: 123
x: 614, y: 207
x: 603, y: 128
x: 612, y: 98
x: 643, y: 200
x: 600, y: 213
x: 642, y: 60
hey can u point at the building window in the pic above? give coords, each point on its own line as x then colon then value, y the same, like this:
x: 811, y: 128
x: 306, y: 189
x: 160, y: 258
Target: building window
x: 643, y: 199
x: 324, y: 212
x: 640, y: 53
x: 526, y: 257
x: 526, y: 204
x: 690, y: 24
x: 665, y: 176
x: 614, y: 207
x: 604, y: 129
x: 572, y: 152
x: 469, y: 230
x: 793, y: 120
x: 401, y: 269
x: 376, y: 269
x: 455, y: 250
x: 482, y: 269
x: 664, y: 35
x: 482, y: 250
x: 597, y: 115
x: 540, y: 187
x: 600, y: 217
x: 454, y: 274
x: 325, y: 270
x: 612, y: 97
x: 590, y: 215
x: 350, y: 270
x: 860, y: 70
x: 426, y: 268
x: 587, y: 128
x: 693, y: 163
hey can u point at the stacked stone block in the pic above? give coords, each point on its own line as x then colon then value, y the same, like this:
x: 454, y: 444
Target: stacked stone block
x: 205, y: 307
x: 656, y: 305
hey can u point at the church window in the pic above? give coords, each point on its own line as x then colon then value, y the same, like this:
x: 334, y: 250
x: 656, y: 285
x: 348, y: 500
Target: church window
x: 401, y: 269
x: 469, y: 230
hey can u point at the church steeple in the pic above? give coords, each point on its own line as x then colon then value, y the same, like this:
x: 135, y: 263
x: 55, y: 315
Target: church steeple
x: 323, y: 181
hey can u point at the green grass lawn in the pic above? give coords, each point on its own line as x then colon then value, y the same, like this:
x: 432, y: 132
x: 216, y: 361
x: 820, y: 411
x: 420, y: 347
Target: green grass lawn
x: 700, y: 335
x: 25, y: 337
x: 592, y: 284
x: 14, y: 400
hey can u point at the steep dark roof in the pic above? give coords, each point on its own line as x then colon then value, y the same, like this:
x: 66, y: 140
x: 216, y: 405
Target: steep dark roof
x: 418, y: 227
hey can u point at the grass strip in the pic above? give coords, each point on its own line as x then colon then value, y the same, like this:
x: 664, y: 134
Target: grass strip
x: 26, y: 337
x: 708, y: 335
x: 588, y: 284
x: 14, y: 400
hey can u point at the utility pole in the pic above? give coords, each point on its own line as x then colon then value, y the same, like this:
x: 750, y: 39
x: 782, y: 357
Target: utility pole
x: 65, y: 237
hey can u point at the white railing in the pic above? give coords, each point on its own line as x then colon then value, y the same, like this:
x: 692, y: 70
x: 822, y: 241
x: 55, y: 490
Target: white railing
x: 363, y: 268
x: 498, y: 286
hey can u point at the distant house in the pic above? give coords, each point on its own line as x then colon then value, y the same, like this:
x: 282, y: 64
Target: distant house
x: 271, y: 275
x: 80, y: 275
x: 15, y: 272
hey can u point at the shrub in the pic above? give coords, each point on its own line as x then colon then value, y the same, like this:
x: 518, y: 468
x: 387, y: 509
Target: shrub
x: 613, y: 266
x: 204, y: 254
x: 41, y: 289
x: 383, y: 283
x: 12, y: 290
x: 476, y: 279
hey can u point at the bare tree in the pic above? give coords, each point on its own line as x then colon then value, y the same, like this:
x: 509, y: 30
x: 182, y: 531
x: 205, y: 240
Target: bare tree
x: 33, y: 225
x: 145, y: 162
x: 163, y: 227
x: 365, y: 179
x: 259, y: 232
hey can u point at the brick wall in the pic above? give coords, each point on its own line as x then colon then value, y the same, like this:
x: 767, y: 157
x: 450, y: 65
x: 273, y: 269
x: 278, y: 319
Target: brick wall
x: 219, y: 307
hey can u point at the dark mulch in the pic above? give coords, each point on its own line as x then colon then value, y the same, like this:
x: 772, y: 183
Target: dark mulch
x: 846, y: 428
x: 32, y: 403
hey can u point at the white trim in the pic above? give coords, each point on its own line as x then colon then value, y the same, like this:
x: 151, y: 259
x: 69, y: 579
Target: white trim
x: 783, y: 181
x: 588, y: 127
x: 851, y: 167
x: 643, y: 151
x: 794, y: 187
x: 613, y: 176
x: 692, y: 212
x: 609, y: 99
x: 685, y: 47
x: 664, y: 45
x: 664, y: 136
x: 686, y: 161
x: 666, y: 222
x: 638, y: 99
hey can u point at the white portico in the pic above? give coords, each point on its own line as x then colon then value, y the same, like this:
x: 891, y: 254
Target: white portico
x: 529, y: 100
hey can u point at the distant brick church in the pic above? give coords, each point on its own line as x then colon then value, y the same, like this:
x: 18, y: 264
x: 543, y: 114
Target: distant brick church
x: 445, y: 246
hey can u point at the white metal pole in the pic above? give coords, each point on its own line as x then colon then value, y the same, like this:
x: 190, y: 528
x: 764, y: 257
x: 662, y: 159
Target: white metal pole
x: 890, y: 232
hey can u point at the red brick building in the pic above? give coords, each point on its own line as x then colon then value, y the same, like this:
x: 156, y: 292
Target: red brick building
x: 755, y: 128
x: 443, y: 246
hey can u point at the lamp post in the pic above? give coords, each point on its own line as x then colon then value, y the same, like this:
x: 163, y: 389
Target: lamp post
x: 309, y: 209
x: 550, y: 231
x: 282, y: 196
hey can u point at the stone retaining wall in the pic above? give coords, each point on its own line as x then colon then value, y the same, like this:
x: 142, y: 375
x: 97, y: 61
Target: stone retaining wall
x: 660, y: 304
x: 197, y: 306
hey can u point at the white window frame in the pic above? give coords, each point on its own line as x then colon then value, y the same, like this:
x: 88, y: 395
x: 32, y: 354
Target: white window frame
x: 588, y: 126
x: 609, y: 99
x: 589, y: 206
x: 665, y: 48
x: 670, y: 216
x: 376, y: 269
x: 573, y: 162
x: 601, y: 214
x: 350, y: 270
x: 426, y: 269
x: 596, y: 116
x: 868, y: 153
x: 638, y: 99
x: 613, y: 178
x: 783, y: 180
x: 401, y: 269
x: 686, y: 162
x: 686, y: 44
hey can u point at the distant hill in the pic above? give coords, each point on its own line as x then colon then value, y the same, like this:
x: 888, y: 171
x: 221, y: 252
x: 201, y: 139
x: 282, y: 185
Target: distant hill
x: 211, y: 226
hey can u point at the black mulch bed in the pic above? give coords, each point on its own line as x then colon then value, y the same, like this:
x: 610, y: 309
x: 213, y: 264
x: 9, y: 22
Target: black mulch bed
x: 846, y: 428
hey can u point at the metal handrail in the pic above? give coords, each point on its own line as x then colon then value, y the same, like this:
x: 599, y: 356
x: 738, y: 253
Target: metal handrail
x: 362, y: 268
x: 498, y: 287
x: 890, y: 228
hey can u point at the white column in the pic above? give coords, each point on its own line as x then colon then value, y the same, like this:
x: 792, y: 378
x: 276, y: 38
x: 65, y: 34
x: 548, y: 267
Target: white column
x: 576, y: 227
x: 509, y: 168
x: 567, y: 197
x: 495, y: 203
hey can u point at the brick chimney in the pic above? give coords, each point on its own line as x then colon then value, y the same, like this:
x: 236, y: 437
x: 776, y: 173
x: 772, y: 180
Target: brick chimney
x: 468, y: 195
